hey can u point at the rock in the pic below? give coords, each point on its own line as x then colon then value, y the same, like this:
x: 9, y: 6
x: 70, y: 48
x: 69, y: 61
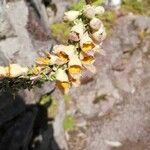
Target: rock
x: 113, y: 4
x: 59, y: 132
x: 115, y: 103
x: 56, y: 9
x: 6, y: 29
x: 31, y: 31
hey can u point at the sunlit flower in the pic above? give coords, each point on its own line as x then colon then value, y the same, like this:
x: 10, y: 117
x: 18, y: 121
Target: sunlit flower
x: 75, y: 65
x: 86, y: 43
x: 16, y: 70
x: 71, y: 15
x: 36, y: 70
x: 3, y: 72
x: 99, y: 35
x: 87, y: 59
x: 99, y: 10
x: 64, y: 52
x: 43, y: 61
x: 78, y: 28
x: 89, y: 11
x: 96, y: 24
x: 62, y: 81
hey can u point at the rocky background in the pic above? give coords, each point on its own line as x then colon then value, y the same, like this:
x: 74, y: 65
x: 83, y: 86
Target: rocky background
x: 110, y: 111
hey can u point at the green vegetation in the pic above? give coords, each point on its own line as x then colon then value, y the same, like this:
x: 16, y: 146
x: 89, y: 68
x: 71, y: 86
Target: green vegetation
x: 69, y: 123
x: 60, y: 31
x: 141, y: 7
x: 50, y: 103
x: 81, y: 3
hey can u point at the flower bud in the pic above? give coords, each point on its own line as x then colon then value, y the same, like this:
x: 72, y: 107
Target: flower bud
x: 73, y: 36
x: 95, y: 24
x: 99, y: 10
x: 99, y: 35
x: 71, y: 15
x: 89, y: 11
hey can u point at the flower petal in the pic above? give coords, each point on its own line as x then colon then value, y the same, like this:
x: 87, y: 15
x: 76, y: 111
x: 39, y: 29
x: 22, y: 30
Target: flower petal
x: 71, y: 15
x: 86, y: 43
x: 75, y: 65
x: 16, y: 70
x: 61, y: 75
x: 63, y: 86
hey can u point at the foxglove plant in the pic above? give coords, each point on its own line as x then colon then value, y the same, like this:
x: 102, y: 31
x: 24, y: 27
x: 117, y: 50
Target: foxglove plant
x: 65, y: 63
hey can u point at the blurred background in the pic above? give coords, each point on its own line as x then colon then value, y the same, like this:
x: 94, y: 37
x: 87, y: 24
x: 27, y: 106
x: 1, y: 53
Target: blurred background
x: 111, y: 109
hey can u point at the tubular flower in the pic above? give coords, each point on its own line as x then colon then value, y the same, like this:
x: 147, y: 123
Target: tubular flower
x: 43, y: 61
x: 86, y: 43
x: 78, y: 28
x: 62, y: 81
x: 15, y: 70
x: 75, y: 65
x: 65, y: 63
x: 87, y: 59
x: 71, y: 15
x: 64, y: 52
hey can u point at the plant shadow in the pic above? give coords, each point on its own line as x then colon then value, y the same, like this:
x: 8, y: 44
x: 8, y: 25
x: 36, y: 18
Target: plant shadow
x: 25, y: 127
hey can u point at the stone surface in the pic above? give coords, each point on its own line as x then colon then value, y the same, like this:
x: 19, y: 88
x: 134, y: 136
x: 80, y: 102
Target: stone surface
x: 116, y: 102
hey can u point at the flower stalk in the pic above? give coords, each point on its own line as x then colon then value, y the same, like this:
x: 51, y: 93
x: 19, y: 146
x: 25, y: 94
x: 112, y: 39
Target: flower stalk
x: 65, y: 63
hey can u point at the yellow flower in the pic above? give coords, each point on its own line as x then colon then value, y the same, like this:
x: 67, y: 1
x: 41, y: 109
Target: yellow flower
x: 87, y: 59
x: 3, y: 72
x: 86, y: 43
x: 15, y: 70
x: 43, y: 61
x: 63, y: 56
x: 64, y: 52
x: 75, y: 65
x: 63, y: 86
x: 62, y: 80
x: 71, y: 15
x: 36, y: 70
